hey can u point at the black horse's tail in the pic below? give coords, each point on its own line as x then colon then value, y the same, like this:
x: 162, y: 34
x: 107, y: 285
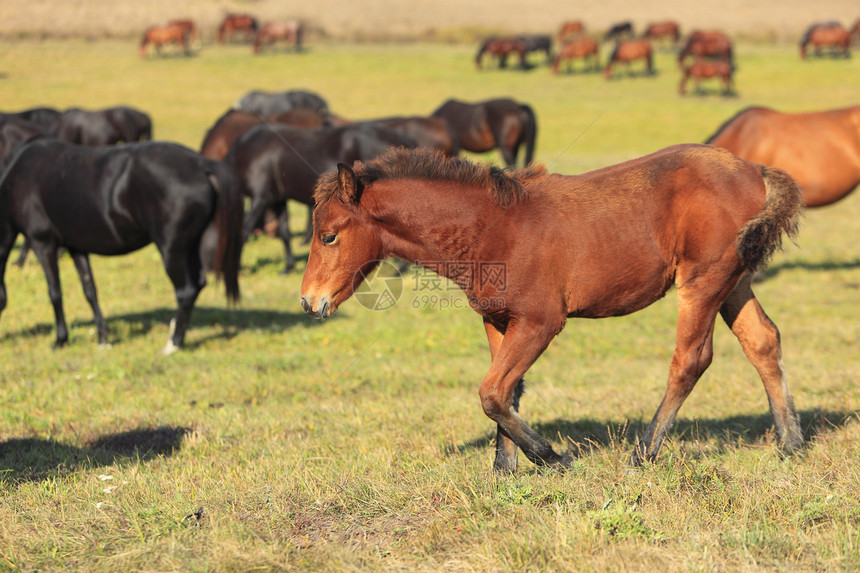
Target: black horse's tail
x: 529, y: 131
x: 229, y: 213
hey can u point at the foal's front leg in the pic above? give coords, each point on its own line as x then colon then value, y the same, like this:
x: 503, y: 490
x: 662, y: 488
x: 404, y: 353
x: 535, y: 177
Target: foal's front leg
x: 506, y: 449
x: 522, y: 344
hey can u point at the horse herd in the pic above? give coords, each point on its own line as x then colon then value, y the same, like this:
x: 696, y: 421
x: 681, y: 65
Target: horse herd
x: 183, y: 34
x: 693, y: 216
x: 704, y: 54
x: 67, y: 185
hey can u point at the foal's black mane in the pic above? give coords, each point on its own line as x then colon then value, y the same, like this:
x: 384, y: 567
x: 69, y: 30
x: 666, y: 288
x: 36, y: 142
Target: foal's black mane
x: 507, y: 186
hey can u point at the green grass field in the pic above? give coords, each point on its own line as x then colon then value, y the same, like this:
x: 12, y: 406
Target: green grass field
x: 274, y: 442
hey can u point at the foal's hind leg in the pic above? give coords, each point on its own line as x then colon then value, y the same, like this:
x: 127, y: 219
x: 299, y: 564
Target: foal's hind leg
x: 697, y: 312
x: 82, y: 264
x: 183, y: 266
x: 759, y: 338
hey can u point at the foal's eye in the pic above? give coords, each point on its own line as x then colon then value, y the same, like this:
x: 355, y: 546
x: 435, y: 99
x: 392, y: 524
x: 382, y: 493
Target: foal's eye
x: 328, y: 239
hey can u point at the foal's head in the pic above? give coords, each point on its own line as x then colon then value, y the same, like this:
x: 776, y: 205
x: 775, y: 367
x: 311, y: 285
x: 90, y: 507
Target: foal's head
x: 345, y: 247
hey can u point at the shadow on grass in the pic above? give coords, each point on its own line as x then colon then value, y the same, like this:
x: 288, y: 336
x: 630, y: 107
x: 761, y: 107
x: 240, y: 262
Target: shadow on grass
x: 828, y: 265
x: 585, y: 435
x: 36, y: 459
x: 142, y: 323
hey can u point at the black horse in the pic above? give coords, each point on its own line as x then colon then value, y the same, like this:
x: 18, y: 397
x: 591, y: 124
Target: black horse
x: 274, y: 163
x: 502, y: 123
x: 115, y: 200
x: 538, y: 43
x: 619, y: 31
x: 47, y: 118
x: 426, y: 132
x: 265, y: 104
x: 108, y: 126
x: 14, y: 132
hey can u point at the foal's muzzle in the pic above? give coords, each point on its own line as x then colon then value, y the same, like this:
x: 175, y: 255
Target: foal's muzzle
x: 323, y: 307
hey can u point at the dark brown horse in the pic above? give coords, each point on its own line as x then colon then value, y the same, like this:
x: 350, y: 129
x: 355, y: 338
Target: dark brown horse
x: 530, y: 250
x: 704, y: 69
x: 276, y: 163
x: 501, y: 48
x: 15, y: 131
x: 830, y: 35
x: 497, y: 123
x: 109, y: 126
x: 160, y: 36
x: 424, y: 132
x: 627, y: 51
x: 584, y: 48
x: 660, y: 31
x: 115, y: 200
x: 821, y: 150
x: 47, y: 118
x: 707, y: 44
x: 233, y: 123
x: 291, y: 32
x: 245, y: 25
x: 570, y: 29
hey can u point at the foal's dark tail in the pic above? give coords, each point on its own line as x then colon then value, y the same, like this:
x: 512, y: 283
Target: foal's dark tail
x: 229, y: 213
x: 529, y: 131
x: 762, y: 235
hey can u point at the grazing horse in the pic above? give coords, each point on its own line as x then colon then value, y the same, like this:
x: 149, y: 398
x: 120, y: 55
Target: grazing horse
x: 121, y: 124
x: 702, y: 69
x: 585, y: 48
x: 115, y: 200
x: 274, y: 163
x: 660, y: 30
x: 627, y: 51
x: 570, y: 29
x: 160, y: 36
x: 821, y: 149
x: 486, y: 125
x: 832, y: 35
x: 530, y: 250
x: 233, y: 123
x: 291, y: 31
x: 538, y: 43
x: 269, y: 103
x: 47, y: 118
x: 425, y: 132
x: 189, y: 27
x: 501, y: 48
x: 619, y: 31
x: 244, y: 24
x: 707, y: 44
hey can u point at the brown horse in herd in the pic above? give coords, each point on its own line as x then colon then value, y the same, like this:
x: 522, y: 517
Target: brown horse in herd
x: 531, y: 249
x: 497, y: 123
x: 712, y: 44
x: 570, y: 29
x: 291, y: 31
x: 627, y: 51
x: 160, y: 36
x: 659, y: 31
x: 245, y: 25
x: 821, y: 150
x: 703, y: 69
x: 501, y: 48
x: 832, y: 35
x: 584, y: 48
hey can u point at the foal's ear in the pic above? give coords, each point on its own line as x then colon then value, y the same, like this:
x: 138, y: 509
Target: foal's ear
x: 349, y: 187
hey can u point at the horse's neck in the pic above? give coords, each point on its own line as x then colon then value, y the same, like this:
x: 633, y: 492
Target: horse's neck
x: 428, y: 222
